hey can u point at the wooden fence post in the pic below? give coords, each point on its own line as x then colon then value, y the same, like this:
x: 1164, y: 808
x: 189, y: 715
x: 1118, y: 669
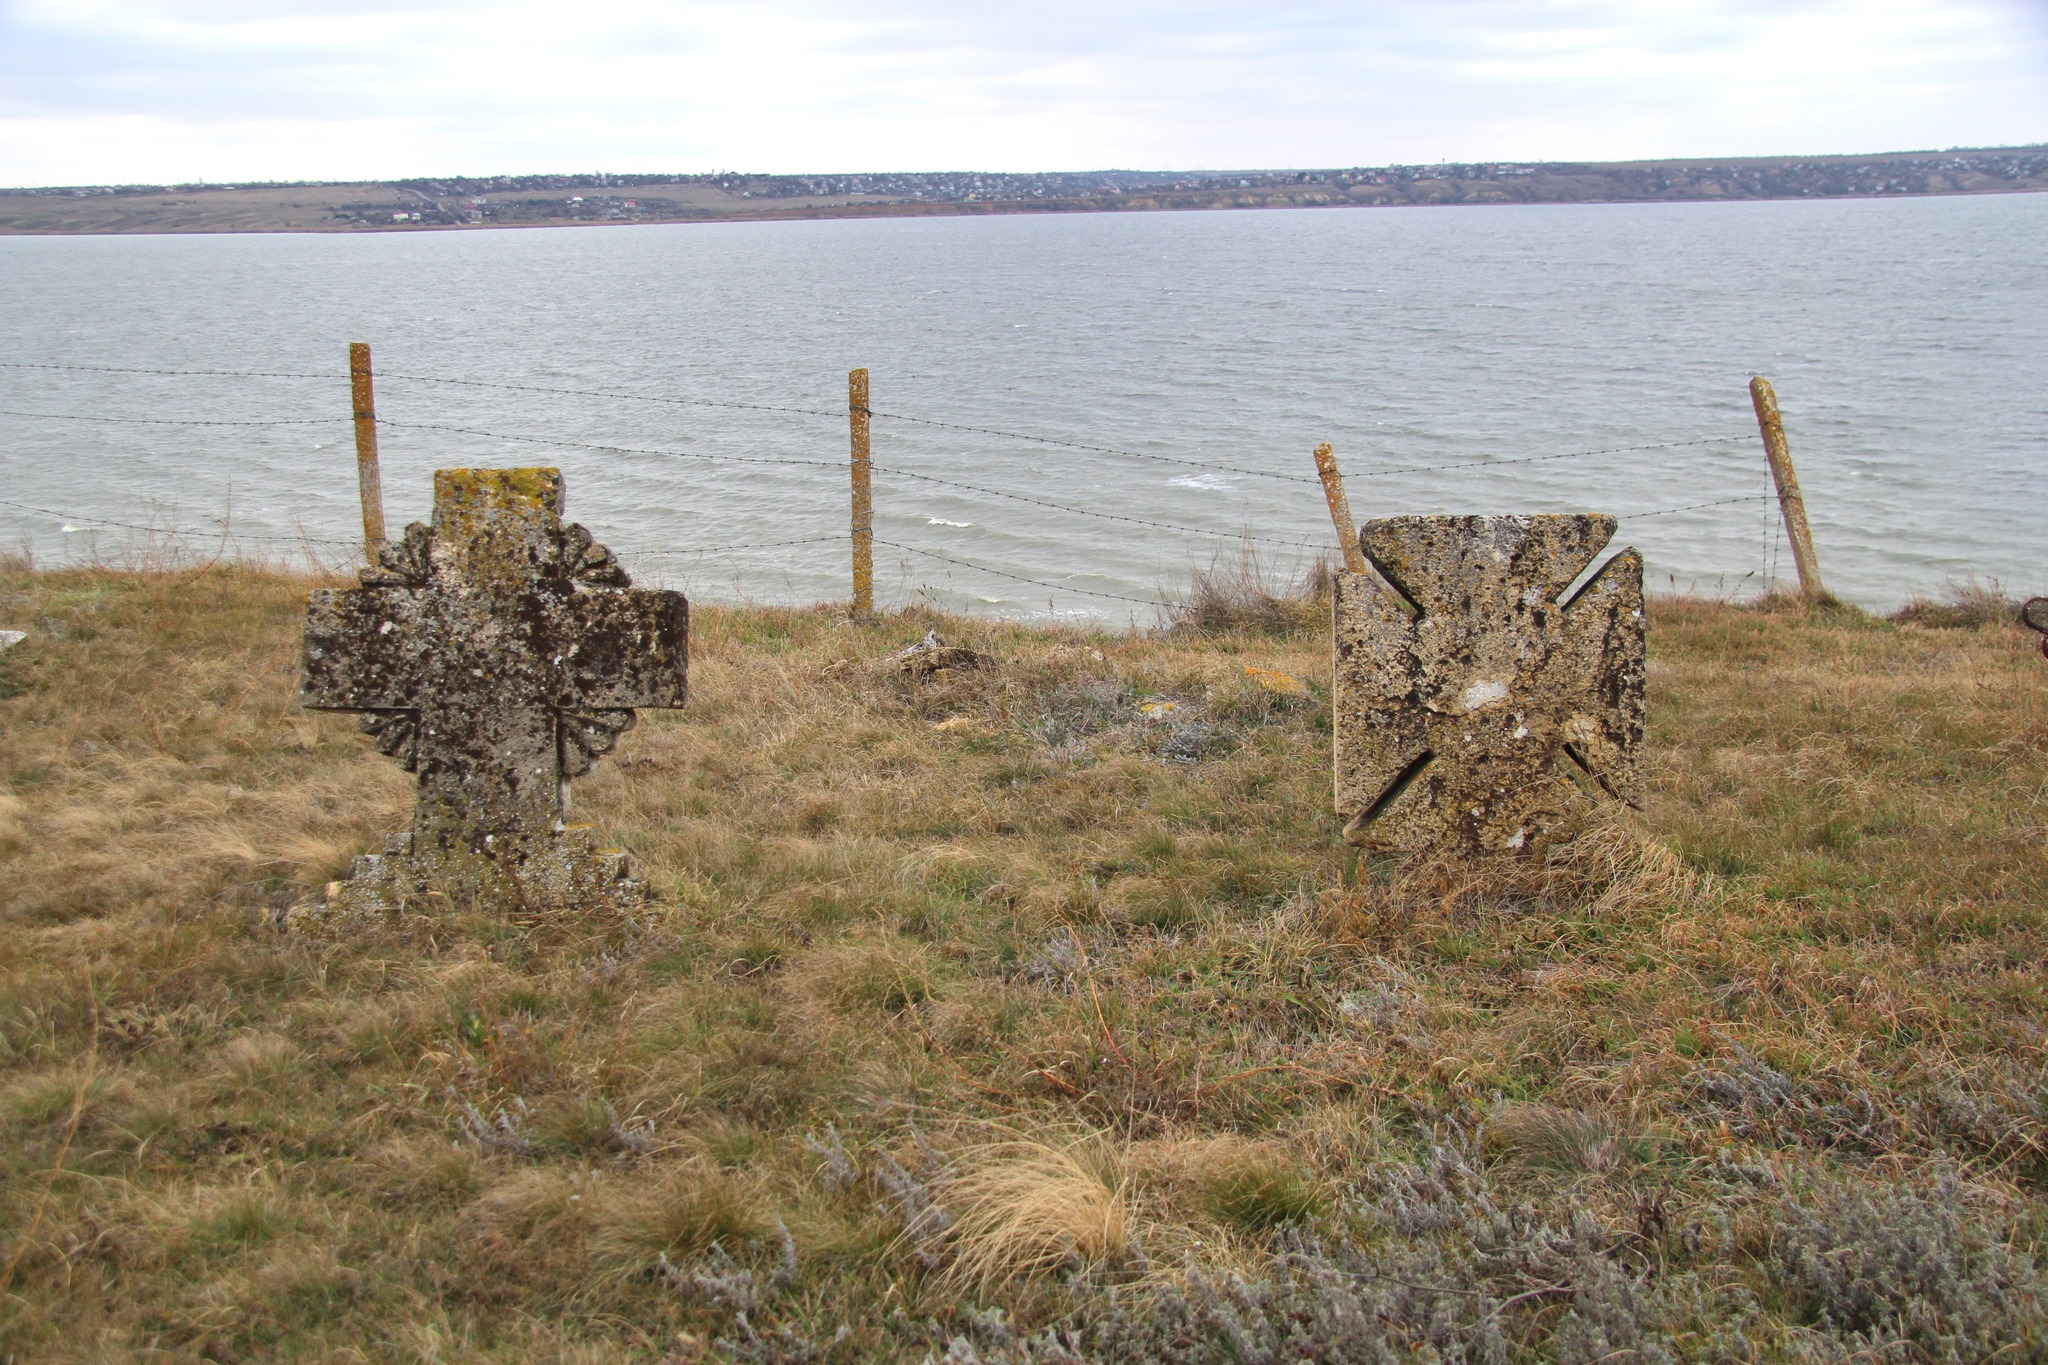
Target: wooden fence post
x: 1340, y: 508
x: 369, y: 480
x: 1765, y: 399
x: 858, y: 420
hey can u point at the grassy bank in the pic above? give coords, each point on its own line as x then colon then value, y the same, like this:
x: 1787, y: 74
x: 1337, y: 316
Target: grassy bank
x: 990, y: 1018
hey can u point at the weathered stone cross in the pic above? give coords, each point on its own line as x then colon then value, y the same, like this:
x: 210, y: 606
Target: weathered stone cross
x: 1476, y: 708
x: 497, y: 654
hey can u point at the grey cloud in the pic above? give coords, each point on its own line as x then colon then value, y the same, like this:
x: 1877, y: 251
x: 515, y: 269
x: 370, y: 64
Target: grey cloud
x: 1208, y: 82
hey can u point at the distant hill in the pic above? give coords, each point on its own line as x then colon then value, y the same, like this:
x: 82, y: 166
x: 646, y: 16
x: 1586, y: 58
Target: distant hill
x: 545, y: 200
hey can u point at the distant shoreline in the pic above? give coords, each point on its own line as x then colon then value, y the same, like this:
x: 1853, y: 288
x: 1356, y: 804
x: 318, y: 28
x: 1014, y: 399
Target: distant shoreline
x: 467, y: 203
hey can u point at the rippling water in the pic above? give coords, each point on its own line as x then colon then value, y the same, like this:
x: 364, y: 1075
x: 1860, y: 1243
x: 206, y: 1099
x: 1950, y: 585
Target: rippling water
x: 1908, y: 339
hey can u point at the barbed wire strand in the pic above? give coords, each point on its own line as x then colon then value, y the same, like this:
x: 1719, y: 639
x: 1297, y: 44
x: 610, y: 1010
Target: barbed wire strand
x: 792, y: 462
x: 1084, y: 511
x: 198, y: 531
x: 1020, y: 497
x: 1097, y: 450
x: 563, y: 443
x: 1539, y: 459
x: 833, y: 464
x: 664, y: 553
x: 190, y: 531
x: 402, y: 376
x: 123, y: 369
x: 833, y: 413
x: 1020, y: 578
x: 718, y: 549
x: 383, y: 375
x: 184, y: 532
x: 1695, y: 506
x: 1303, y: 478
x: 69, y: 517
x: 601, y: 393
x: 172, y: 421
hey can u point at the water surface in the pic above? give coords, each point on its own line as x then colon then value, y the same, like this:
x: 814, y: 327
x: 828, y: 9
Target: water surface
x: 1908, y: 339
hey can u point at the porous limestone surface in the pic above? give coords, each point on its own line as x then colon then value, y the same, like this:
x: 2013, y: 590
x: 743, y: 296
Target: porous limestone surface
x: 496, y: 653
x: 1479, y: 710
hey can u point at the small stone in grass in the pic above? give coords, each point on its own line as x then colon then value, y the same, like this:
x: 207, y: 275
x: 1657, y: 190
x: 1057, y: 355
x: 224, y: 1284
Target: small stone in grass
x: 931, y: 654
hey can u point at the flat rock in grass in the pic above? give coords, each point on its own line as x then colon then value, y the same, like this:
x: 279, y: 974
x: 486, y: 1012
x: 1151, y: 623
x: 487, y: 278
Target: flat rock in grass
x: 1479, y: 709
x: 931, y: 654
x: 497, y: 653
x: 10, y: 638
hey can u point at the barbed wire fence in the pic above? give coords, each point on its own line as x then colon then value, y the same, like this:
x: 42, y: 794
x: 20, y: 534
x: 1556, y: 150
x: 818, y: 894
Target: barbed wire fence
x: 334, y: 552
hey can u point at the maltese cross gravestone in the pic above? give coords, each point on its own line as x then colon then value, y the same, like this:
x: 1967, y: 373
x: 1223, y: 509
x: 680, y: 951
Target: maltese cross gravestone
x: 497, y: 654
x: 1479, y: 710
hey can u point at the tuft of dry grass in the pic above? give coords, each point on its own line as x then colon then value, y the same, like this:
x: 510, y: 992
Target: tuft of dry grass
x: 1105, y: 953
x: 680, y: 1212
x: 1239, y: 593
x: 1546, y: 1136
x: 1023, y: 1207
x: 1967, y: 605
x: 1257, y: 1189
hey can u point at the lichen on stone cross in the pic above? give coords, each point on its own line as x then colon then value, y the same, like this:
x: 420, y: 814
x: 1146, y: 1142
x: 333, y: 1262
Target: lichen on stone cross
x: 1479, y: 710
x: 496, y: 653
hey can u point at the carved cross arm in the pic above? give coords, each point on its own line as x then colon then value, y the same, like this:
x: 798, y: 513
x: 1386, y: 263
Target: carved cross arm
x: 362, y: 651
x: 624, y: 647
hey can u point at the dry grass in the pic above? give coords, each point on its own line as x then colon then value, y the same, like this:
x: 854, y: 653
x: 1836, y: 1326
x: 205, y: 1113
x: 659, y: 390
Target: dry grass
x: 1963, y: 605
x: 1023, y: 1207
x: 1240, y: 593
x: 1543, y: 1135
x: 1100, y: 956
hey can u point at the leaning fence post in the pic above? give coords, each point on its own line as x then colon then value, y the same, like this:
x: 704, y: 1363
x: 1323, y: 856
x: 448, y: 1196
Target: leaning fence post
x: 1765, y: 399
x: 858, y: 419
x: 1340, y: 508
x: 369, y: 480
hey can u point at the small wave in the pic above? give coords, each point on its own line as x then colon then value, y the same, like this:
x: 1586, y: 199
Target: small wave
x: 941, y: 521
x: 1212, y: 482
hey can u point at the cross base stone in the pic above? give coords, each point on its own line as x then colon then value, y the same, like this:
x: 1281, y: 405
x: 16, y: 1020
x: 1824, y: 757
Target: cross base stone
x: 519, y: 874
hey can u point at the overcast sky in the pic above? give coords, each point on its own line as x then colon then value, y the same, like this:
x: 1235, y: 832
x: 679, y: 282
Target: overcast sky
x: 95, y: 91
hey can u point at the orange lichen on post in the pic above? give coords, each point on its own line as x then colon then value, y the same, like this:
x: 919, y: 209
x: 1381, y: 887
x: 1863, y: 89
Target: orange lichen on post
x: 369, y: 479
x: 858, y: 419
x: 1340, y: 508
x: 1765, y: 399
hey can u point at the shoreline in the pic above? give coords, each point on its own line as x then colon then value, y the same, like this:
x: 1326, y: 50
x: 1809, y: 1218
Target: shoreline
x: 1004, y: 209
x: 1013, y: 209
x: 599, y: 199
